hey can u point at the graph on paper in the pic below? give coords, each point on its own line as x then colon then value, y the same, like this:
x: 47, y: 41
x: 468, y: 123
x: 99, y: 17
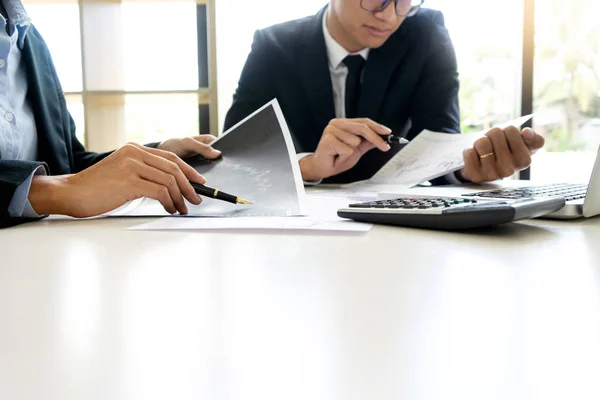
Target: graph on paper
x: 258, y: 163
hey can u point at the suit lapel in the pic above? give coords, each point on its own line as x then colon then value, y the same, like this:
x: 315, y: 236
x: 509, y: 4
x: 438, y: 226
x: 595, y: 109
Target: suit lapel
x: 44, y: 99
x: 379, y: 71
x: 314, y: 68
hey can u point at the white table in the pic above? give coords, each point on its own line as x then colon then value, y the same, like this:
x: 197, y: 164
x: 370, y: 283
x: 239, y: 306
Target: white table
x: 91, y: 311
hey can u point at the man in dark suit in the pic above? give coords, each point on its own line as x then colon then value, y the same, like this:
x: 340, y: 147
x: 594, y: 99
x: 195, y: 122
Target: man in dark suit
x: 44, y: 169
x: 360, y: 69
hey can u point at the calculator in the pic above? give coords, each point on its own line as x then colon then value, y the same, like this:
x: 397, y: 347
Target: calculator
x: 449, y: 213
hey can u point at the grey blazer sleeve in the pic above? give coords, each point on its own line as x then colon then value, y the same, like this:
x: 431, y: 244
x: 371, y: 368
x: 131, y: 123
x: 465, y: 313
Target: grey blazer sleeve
x: 12, y: 175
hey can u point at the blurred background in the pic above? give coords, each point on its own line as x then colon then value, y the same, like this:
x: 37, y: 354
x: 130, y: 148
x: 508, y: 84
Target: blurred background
x: 135, y: 70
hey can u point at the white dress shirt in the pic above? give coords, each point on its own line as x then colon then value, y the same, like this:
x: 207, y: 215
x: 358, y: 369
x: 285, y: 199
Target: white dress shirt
x: 18, y: 133
x: 337, y: 69
x: 336, y: 54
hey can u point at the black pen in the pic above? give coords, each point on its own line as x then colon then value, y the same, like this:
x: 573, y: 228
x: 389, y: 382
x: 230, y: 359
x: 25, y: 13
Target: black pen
x: 217, y: 194
x: 394, y: 139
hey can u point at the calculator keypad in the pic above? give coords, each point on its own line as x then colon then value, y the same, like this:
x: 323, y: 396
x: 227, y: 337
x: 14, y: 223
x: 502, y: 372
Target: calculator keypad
x: 417, y: 203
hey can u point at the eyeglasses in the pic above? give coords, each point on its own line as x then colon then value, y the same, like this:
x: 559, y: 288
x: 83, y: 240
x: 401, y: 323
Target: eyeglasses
x: 404, y: 8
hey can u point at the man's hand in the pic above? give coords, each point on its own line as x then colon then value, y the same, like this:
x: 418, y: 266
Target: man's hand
x: 131, y: 172
x: 343, y: 143
x: 189, y: 146
x: 500, y: 153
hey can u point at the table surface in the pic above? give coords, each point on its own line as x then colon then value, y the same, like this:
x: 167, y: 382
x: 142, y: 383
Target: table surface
x: 89, y: 310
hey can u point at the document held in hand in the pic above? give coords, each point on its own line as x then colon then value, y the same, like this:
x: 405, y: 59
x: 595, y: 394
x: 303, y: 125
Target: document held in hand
x: 427, y: 156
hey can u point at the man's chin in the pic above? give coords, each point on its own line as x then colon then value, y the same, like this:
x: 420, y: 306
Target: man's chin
x: 373, y: 43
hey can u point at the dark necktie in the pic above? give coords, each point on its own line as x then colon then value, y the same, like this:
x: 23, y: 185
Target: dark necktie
x: 355, y: 66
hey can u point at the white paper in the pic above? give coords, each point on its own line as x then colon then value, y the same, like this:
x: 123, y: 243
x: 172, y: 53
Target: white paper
x: 427, y: 156
x: 322, y: 210
x: 254, y: 223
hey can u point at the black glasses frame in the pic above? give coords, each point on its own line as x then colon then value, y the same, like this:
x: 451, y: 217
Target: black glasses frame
x: 412, y: 11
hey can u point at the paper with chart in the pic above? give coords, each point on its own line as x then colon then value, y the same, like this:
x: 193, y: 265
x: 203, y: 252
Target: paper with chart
x: 427, y: 156
x: 258, y: 163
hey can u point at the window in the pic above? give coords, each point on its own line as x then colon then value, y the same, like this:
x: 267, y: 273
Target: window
x: 489, y: 58
x: 489, y: 55
x: 132, y: 70
x: 567, y: 88
x: 160, y: 50
x: 75, y: 107
x: 154, y: 118
x: 145, y: 79
x: 64, y: 40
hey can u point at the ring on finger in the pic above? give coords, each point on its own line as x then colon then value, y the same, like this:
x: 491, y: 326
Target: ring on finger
x: 486, y: 155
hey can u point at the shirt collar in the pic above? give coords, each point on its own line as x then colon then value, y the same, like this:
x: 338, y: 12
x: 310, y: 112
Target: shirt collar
x: 335, y: 51
x: 18, y: 17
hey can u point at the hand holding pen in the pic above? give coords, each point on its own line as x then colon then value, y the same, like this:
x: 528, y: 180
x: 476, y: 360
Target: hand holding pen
x: 343, y: 143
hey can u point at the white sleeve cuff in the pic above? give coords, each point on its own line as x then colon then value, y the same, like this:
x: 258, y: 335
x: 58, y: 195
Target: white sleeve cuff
x: 20, y: 207
x: 308, y: 183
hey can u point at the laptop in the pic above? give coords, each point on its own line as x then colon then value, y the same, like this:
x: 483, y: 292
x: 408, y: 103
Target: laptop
x: 581, y: 200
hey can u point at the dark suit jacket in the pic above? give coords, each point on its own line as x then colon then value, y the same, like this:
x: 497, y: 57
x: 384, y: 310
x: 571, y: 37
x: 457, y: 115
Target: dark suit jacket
x: 58, y: 147
x: 412, y: 76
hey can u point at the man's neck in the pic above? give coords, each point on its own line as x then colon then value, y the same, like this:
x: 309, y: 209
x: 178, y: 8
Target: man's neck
x: 339, y: 35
